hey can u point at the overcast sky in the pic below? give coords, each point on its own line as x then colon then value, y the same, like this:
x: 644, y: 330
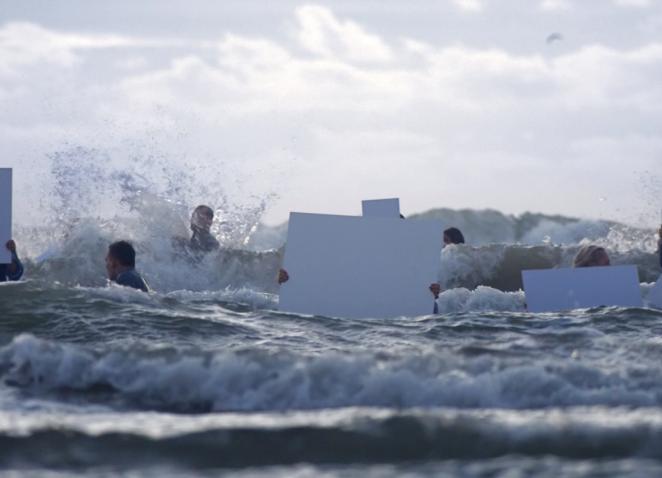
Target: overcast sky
x: 315, y: 106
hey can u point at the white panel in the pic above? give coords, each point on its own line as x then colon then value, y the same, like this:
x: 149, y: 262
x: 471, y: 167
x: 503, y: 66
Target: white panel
x: 654, y: 297
x: 382, y: 208
x: 556, y: 290
x: 355, y: 267
x: 5, y: 213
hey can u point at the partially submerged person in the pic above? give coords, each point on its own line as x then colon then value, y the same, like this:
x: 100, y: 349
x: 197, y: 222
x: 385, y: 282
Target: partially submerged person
x: 14, y: 270
x: 121, y: 266
x: 202, y: 239
x: 452, y: 236
x: 591, y: 256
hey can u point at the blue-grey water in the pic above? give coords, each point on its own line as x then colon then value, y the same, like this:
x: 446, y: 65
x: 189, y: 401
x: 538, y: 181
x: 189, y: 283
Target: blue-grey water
x: 103, y: 380
x: 205, y: 377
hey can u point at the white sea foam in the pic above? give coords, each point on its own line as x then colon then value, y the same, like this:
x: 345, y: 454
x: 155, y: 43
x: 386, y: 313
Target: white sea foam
x: 482, y: 299
x: 266, y: 381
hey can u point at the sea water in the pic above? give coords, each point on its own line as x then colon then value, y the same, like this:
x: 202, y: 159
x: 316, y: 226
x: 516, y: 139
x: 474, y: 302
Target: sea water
x: 204, y: 375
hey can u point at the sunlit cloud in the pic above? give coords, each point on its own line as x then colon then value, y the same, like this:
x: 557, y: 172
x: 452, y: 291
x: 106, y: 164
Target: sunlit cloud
x: 469, y: 5
x: 459, y: 122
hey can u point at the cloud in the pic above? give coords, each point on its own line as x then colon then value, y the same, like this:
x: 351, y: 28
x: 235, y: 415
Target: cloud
x: 555, y: 5
x: 633, y: 3
x: 335, y: 106
x: 320, y: 32
x: 469, y: 5
x: 25, y: 43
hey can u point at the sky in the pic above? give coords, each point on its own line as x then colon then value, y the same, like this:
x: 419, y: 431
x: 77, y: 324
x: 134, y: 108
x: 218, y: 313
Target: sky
x: 316, y: 106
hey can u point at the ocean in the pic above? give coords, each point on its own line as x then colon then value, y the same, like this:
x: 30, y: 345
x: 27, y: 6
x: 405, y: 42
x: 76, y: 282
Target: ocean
x: 204, y: 377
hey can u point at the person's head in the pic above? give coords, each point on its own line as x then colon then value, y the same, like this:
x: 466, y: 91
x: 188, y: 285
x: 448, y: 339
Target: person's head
x: 591, y: 256
x: 121, y: 257
x: 202, y: 219
x: 453, y: 235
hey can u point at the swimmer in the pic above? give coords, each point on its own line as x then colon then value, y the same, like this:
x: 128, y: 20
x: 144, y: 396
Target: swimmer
x: 202, y: 239
x: 592, y: 256
x: 121, y: 266
x: 14, y: 270
x: 452, y: 235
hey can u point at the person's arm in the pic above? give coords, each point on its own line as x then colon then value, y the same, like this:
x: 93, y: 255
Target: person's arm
x: 15, y: 269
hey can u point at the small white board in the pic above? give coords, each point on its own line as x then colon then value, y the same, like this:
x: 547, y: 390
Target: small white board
x: 356, y: 267
x: 654, y: 297
x: 5, y: 213
x: 555, y: 290
x: 382, y: 208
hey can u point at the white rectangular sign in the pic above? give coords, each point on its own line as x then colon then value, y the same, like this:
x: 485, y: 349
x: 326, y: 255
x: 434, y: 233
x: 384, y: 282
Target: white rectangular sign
x: 355, y: 267
x: 382, y: 208
x: 5, y: 213
x: 555, y: 290
x: 654, y: 297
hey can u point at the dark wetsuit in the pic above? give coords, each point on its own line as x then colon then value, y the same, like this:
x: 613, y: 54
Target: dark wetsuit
x: 132, y: 279
x: 203, y: 241
x: 6, y: 275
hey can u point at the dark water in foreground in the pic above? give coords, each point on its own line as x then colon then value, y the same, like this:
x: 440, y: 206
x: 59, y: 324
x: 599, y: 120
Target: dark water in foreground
x: 100, y: 381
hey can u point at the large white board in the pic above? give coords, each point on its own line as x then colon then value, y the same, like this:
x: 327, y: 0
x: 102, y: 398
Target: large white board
x: 355, y: 267
x: 5, y: 213
x: 555, y: 290
x: 382, y: 208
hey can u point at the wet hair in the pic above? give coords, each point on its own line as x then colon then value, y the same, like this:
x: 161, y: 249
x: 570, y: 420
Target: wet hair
x: 588, y: 256
x: 123, y: 252
x: 200, y: 216
x: 455, y: 235
x: 204, y: 211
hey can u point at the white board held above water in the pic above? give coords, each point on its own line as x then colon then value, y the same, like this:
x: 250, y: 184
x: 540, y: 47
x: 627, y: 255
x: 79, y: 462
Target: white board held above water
x: 356, y: 267
x: 382, y: 208
x: 654, y: 297
x: 556, y: 290
x: 5, y: 213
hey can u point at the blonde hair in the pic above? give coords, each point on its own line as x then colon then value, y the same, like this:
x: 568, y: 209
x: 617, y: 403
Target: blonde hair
x: 588, y: 256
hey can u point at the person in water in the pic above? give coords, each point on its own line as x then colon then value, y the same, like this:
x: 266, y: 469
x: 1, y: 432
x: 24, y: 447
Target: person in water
x: 14, y: 270
x: 121, y: 266
x: 452, y: 235
x: 591, y: 256
x: 202, y: 239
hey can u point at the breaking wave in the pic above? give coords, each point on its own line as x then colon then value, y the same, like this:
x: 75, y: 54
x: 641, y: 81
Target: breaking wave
x: 252, y: 379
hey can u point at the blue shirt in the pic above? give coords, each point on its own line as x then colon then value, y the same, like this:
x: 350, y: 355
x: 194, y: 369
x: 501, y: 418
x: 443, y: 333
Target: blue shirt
x: 6, y: 275
x: 132, y: 279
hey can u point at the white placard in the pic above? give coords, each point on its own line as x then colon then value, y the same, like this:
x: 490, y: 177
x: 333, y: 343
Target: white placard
x: 555, y: 290
x: 355, y: 267
x: 5, y: 213
x: 382, y: 208
x: 654, y: 297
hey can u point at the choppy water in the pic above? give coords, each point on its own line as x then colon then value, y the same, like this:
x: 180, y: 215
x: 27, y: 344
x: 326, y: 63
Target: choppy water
x: 204, y: 376
x: 98, y: 380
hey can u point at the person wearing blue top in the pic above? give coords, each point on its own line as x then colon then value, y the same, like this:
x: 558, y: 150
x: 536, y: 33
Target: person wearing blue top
x: 121, y: 266
x: 14, y: 270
